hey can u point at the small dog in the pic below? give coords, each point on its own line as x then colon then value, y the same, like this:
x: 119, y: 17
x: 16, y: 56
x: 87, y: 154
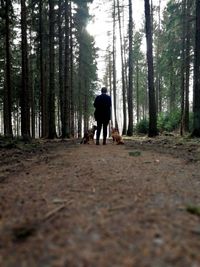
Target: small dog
x: 89, y: 135
x: 117, y: 137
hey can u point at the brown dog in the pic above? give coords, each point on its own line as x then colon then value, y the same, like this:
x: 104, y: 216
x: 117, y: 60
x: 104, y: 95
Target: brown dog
x: 89, y: 135
x: 116, y: 137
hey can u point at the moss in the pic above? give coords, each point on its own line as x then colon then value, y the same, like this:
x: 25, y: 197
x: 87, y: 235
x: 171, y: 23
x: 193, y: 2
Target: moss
x: 193, y: 209
x: 134, y: 153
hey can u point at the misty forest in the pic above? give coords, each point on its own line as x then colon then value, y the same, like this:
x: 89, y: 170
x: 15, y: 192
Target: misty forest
x: 49, y: 75
x: 133, y: 201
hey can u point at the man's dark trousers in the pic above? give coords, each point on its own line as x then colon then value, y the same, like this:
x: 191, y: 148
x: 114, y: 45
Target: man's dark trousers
x: 99, y: 126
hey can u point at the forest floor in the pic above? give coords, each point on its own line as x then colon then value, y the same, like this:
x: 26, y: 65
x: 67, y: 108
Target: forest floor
x: 63, y: 204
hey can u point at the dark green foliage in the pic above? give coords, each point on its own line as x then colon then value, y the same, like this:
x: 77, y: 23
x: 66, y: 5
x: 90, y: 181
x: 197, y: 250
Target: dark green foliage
x: 169, y: 121
x: 19, y: 143
x: 139, y: 77
x: 7, y: 143
x: 142, y: 127
x: 193, y: 209
x: 134, y: 153
x: 170, y: 53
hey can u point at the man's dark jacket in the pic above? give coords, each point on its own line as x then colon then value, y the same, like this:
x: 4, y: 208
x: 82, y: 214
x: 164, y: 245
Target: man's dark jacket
x: 102, y: 104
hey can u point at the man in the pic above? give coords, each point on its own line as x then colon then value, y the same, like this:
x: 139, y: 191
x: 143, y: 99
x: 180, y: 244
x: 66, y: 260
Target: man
x: 102, y: 113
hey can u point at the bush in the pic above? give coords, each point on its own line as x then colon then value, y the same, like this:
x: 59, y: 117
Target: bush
x: 168, y: 121
x: 142, y: 126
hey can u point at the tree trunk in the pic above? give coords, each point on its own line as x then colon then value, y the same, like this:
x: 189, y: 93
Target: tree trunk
x: 187, y: 74
x: 114, y: 67
x: 183, y: 66
x: 86, y: 111
x: 71, y: 75
x: 110, y: 85
x: 32, y: 79
x: 66, y: 96
x: 61, y: 64
x: 158, y: 75
x: 137, y: 91
x: 51, y: 102
x: 80, y: 109
x: 152, y: 103
x: 43, y: 91
x: 123, y: 73
x: 32, y: 97
x: 130, y: 74
x: 7, y: 88
x: 172, y: 89
x: 25, y: 105
x: 196, y: 108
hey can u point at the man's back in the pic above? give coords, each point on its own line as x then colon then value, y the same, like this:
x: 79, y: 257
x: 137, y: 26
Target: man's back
x: 102, y: 104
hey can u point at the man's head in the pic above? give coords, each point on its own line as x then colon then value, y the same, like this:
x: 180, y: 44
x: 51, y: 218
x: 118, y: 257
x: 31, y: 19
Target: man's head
x: 104, y: 90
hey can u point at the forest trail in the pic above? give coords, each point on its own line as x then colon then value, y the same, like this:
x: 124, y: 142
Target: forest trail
x: 100, y: 206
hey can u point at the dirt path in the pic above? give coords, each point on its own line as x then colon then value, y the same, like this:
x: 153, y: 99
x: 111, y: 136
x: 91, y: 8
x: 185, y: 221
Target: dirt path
x: 100, y: 206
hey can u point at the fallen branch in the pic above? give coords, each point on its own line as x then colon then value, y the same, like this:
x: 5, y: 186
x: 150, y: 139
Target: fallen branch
x: 53, y: 212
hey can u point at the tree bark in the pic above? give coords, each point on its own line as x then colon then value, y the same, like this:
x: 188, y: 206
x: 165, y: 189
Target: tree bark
x: 137, y: 91
x: 51, y: 98
x: 196, y: 104
x: 61, y: 64
x: 72, y: 111
x: 158, y: 75
x: 7, y: 87
x: 114, y: 67
x: 122, y: 72
x: 25, y: 95
x: 187, y: 69
x: 183, y: 66
x: 43, y: 89
x: 66, y: 95
x: 130, y: 74
x: 152, y: 103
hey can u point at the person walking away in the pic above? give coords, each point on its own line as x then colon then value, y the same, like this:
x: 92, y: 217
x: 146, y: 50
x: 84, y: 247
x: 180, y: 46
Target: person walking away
x: 102, y: 113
